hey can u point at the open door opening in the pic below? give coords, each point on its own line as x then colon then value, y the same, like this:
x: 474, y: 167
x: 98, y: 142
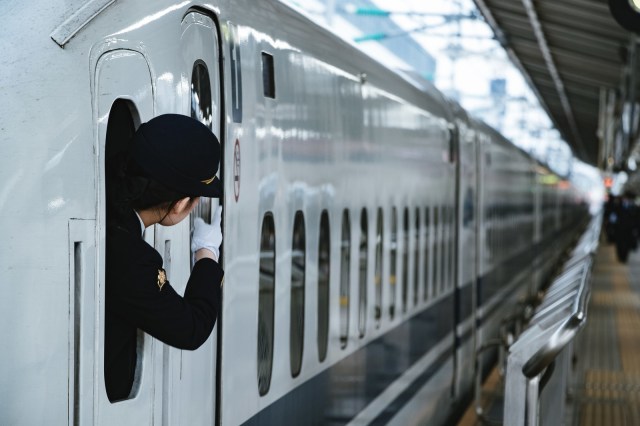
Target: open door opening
x: 122, y: 124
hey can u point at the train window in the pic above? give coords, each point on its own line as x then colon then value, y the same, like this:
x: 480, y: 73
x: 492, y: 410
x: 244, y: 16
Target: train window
x: 492, y: 230
x: 378, y: 268
x: 416, y: 258
x: 436, y: 251
x: 450, y: 222
x: 446, y: 222
x: 268, y: 77
x: 452, y: 245
x: 405, y: 258
x: 393, y: 254
x: 266, y: 303
x: 201, y: 110
x: 298, y: 269
x: 427, y: 272
x: 345, y: 268
x: 324, y: 269
x: 443, y: 246
x: 362, y: 286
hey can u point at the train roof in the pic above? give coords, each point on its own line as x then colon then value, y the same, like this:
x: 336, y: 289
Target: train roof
x: 279, y: 20
x: 334, y: 50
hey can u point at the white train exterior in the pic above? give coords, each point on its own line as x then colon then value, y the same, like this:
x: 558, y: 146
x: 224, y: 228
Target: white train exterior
x: 374, y: 234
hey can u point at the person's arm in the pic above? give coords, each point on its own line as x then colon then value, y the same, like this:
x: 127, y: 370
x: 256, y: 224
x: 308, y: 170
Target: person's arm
x: 144, y: 298
x: 183, y: 322
x: 205, y: 254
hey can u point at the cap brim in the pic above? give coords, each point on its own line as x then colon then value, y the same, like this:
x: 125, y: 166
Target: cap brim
x: 213, y: 189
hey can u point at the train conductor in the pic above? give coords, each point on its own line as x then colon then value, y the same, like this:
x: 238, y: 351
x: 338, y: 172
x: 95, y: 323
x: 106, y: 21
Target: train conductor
x: 173, y: 160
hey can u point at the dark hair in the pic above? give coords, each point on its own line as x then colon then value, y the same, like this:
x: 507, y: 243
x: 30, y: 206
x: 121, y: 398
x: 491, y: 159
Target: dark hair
x: 130, y: 188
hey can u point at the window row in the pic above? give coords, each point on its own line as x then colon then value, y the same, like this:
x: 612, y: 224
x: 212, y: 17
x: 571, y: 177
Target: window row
x: 428, y: 238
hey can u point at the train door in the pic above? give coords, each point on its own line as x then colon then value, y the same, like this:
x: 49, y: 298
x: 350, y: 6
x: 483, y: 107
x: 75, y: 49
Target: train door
x: 479, y: 240
x: 481, y: 144
x: 121, y: 104
x: 465, y: 273
x: 188, y: 395
x: 538, y: 199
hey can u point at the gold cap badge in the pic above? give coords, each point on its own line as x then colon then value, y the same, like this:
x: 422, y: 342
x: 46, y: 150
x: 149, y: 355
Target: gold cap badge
x: 162, y: 278
x: 208, y: 181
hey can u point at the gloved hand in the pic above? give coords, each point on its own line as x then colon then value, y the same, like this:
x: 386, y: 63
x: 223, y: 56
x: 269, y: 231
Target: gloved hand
x: 208, y: 236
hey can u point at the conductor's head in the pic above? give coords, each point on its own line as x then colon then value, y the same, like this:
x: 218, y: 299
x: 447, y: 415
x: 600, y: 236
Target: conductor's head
x: 172, y: 162
x: 180, y: 153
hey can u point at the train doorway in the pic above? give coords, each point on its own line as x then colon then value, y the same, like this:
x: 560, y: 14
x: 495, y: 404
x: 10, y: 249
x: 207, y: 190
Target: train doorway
x: 122, y: 104
x: 171, y: 386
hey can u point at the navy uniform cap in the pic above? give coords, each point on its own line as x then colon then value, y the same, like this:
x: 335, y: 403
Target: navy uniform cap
x: 180, y: 153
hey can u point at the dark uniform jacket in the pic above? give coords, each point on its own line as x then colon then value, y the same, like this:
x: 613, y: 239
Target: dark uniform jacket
x: 137, y: 297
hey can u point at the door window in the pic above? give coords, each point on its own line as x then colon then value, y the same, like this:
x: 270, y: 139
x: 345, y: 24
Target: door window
x: 298, y: 272
x: 345, y: 282
x: 393, y: 259
x: 324, y: 273
x: 377, y: 281
x: 362, y: 282
x: 266, y: 308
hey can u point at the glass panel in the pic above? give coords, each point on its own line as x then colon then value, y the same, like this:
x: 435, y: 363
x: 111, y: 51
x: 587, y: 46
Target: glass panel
x: 416, y: 258
x: 298, y: 261
x: 362, y: 283
x: 265, y: 303
x: 201, y: 110
x: 452, y: 236
x: 427, y: 271
x: 268, y: 76
x: 201, y: 94
x: 436, y: 252
x: 324, y: 269
x: 345, y: 267
x: 443, y: 248
x: 393, y: 254
x: 378, y: 270
x: 405, y: 259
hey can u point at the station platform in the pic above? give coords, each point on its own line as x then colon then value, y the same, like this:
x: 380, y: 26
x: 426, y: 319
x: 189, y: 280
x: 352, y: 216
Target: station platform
x: 604, y: 386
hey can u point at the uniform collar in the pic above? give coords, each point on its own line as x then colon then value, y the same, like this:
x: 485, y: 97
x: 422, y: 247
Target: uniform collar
x: 141, y: 223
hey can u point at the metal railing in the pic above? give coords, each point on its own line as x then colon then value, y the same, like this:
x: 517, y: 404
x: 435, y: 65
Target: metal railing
x: 539, y: 361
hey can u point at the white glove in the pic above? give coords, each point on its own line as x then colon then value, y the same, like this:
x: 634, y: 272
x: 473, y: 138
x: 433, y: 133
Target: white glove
x: 208, y: 236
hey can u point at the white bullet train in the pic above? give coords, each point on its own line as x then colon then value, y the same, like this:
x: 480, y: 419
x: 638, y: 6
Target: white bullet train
x: 374, y: 234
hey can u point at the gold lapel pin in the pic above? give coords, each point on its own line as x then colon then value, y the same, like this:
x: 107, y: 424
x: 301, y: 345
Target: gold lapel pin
x: 162, y: 278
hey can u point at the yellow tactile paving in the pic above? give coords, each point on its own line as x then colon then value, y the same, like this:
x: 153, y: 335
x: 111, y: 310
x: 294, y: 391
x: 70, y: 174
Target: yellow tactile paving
x: 609, y: 391
x: 613, y: 300
x: 628, y: 328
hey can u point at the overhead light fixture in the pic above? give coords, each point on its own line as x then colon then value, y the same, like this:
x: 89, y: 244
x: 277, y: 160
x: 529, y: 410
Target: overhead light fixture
x: 626, y: 13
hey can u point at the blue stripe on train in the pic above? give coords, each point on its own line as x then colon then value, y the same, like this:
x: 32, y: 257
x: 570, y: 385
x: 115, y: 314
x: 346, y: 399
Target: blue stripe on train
x: 339, y: 393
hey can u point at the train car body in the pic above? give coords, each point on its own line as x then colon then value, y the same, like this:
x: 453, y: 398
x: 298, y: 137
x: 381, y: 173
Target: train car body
x: 374, y: 234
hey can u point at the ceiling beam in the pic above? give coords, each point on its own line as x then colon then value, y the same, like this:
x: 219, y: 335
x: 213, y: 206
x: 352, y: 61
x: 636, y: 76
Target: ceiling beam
x: 502, y: 39
x: 553, y: 71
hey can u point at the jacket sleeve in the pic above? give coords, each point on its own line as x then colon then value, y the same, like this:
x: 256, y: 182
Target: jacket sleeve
x: 183, y: 322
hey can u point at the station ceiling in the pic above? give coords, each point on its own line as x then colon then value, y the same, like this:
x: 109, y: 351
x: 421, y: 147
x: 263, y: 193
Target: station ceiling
x: 568, y: 50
